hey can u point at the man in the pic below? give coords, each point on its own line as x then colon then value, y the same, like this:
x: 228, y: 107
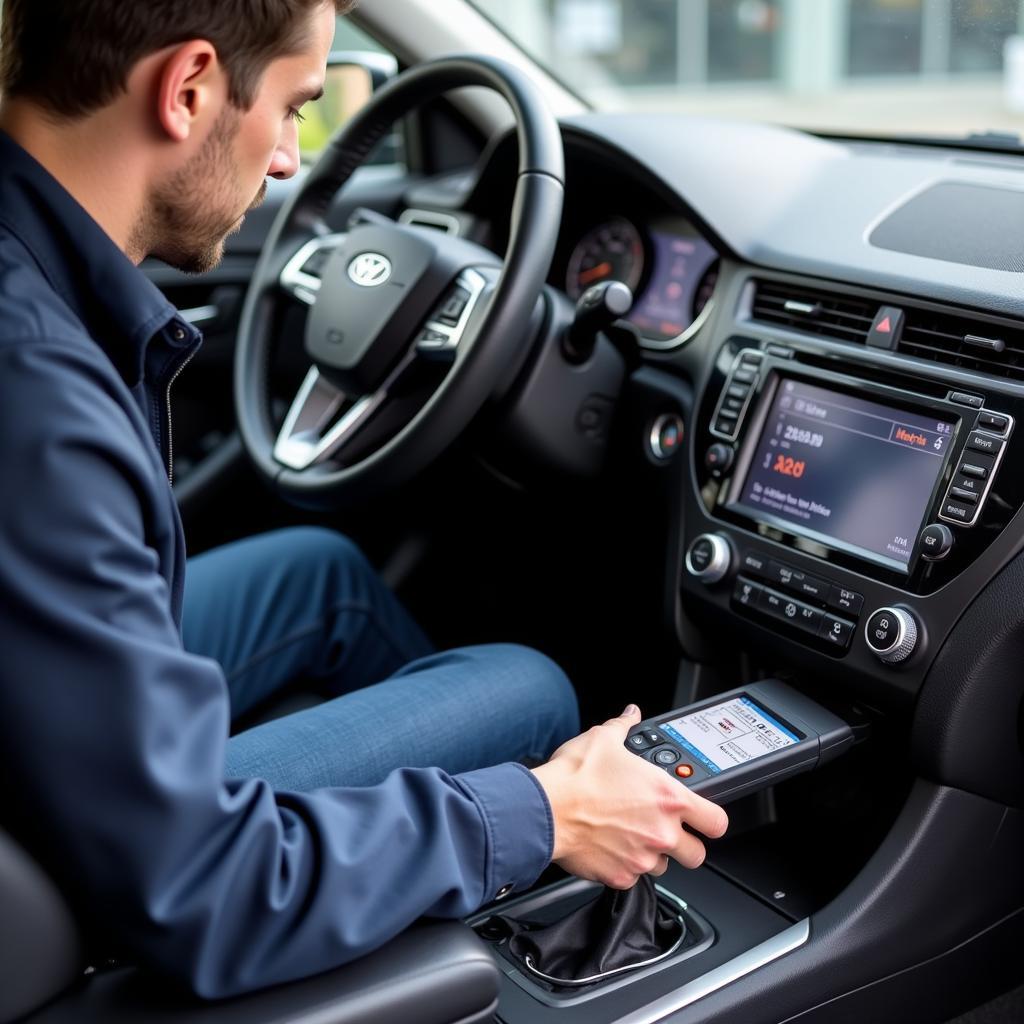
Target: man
x: 135, y: 129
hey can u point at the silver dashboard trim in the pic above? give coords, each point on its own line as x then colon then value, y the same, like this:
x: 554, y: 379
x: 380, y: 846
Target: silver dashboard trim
x: 732, y: 970
x: 294, y: 280
x: 654, y: 345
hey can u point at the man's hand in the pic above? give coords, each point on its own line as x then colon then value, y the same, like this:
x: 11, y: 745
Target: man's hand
x: 617, y: 816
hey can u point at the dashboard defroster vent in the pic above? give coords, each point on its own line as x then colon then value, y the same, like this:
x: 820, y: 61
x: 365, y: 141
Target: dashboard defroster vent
x: 825, y: 314
x: 961, y: 341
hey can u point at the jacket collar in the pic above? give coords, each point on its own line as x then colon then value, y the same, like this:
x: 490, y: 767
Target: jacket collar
x: 119, y: 306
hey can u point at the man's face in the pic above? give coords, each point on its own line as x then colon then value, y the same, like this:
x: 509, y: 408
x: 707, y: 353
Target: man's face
x: 202, y: 203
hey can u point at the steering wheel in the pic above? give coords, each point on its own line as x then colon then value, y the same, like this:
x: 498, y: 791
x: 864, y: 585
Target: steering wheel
x: 410, y: 330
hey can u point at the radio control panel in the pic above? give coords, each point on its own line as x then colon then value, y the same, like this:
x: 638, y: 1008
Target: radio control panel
x: 832, y: 497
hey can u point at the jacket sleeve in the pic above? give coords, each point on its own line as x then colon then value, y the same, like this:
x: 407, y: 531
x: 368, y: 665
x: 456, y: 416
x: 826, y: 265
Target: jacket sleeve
x: 114, y: 737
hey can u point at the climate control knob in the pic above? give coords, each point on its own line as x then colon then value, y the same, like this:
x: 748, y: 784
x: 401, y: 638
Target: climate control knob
x: 892, y: 634
x: 709, y: 558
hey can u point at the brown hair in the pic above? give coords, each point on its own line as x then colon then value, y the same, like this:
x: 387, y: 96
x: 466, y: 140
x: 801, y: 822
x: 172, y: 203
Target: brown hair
x: 74, y: 56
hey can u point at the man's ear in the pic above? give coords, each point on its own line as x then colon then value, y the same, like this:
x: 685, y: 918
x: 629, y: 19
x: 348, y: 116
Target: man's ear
x: 190, y: 85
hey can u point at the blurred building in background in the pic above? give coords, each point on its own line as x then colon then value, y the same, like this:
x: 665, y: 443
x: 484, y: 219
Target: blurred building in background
x: 918, y: 66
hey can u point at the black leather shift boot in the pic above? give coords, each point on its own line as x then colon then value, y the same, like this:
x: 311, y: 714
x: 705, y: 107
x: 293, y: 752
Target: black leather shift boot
x: 616, y: 931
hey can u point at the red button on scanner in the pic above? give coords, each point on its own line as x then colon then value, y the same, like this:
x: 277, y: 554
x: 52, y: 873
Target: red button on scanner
x: 684, y: 771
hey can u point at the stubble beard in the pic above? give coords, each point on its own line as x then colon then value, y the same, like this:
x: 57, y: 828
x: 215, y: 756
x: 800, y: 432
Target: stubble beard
x: 190, y: 216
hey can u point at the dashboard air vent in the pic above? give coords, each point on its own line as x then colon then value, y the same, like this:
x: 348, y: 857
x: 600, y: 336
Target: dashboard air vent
x: 828, y: 314
x: 961, y: 341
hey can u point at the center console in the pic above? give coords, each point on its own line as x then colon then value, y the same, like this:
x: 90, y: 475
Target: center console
x: 833, y: 501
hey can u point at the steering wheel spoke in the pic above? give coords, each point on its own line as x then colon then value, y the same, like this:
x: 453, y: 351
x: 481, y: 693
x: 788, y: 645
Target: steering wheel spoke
x: 447, y: 326
x: 303, y: 273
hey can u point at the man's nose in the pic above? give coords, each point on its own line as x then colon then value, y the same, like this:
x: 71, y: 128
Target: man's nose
x: 285, y: 162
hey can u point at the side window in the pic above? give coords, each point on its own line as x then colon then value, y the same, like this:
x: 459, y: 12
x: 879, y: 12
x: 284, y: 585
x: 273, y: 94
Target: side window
x: 348, y: 86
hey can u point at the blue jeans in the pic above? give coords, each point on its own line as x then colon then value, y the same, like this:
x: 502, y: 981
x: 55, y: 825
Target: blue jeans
x: 305, y: 603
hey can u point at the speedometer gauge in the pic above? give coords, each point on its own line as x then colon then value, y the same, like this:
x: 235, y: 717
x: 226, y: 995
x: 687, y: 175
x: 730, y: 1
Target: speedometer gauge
x: 614, y: 251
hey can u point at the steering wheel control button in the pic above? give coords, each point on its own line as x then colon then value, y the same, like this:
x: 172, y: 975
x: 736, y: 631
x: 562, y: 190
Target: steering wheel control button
x: 994, y: 421
x: 666, y: 436
x: 709, y: 558
x: 892, y: 634
x: 887, y: 328
x: 666, y: 756
x: 718, y: 459
x: 979, y: 442
x: 684, y: 771
x: 432, y: 339
x: 936, y: 542
x: 747, y: 593
x: 836, y: 631
x: 453, y: 308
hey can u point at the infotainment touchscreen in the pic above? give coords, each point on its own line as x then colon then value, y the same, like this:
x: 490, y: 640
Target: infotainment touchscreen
x: 850, y: 472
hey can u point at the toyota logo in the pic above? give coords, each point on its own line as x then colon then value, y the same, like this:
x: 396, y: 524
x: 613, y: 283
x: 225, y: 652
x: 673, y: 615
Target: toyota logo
x: 370, y: 269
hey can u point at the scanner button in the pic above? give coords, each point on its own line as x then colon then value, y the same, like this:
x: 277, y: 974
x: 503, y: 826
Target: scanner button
x: 654, y: 738
x: 684, y: 771
x: 666, y: 756
x: 637, y: 741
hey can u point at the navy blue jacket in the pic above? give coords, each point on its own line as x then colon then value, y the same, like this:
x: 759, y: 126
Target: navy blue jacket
x: 112, y: 736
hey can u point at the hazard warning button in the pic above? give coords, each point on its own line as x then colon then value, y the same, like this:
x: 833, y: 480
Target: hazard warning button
x: 887, y: 327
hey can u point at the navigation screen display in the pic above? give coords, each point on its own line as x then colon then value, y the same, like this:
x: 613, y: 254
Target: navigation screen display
x: 729, y: 734
x: 844, y: 469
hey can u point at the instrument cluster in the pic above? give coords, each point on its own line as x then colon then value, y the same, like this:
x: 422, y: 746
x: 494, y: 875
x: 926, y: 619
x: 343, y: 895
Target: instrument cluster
x: 667, y: 264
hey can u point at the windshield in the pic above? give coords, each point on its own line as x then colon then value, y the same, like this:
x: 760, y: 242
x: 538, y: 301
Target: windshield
x: 866, y: 67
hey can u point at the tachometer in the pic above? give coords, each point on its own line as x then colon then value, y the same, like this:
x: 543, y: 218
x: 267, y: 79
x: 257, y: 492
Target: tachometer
x: 613, y: 251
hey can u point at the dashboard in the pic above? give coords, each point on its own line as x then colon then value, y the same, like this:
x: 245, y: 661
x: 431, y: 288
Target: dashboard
x: 852, y: 477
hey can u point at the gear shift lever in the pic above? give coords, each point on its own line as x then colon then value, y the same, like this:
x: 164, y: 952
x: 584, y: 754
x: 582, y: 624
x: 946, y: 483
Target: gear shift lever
x: 618, y: 931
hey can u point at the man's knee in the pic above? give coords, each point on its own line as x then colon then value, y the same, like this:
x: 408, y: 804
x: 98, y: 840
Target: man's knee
x: 314, y: 549
x: 542, y: 687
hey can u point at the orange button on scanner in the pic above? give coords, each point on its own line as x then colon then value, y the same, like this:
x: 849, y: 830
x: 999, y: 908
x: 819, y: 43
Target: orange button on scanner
x: 684, y: 771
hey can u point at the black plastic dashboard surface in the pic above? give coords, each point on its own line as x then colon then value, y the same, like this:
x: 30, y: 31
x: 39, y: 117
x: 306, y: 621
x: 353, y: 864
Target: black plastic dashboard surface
x: 782, y: 198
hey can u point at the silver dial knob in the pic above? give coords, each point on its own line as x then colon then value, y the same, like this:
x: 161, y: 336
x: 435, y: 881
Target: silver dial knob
x: 709, y: 558
x: 892, y: 634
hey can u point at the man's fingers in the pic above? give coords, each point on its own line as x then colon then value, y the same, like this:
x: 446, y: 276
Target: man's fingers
x: 707, y: 818
x: 689, y: 850
x: 661, y: 867
x: 629, y: 717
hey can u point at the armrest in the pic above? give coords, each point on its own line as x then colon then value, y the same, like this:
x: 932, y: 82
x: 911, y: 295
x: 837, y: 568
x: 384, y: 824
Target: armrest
x: 434, y: 973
